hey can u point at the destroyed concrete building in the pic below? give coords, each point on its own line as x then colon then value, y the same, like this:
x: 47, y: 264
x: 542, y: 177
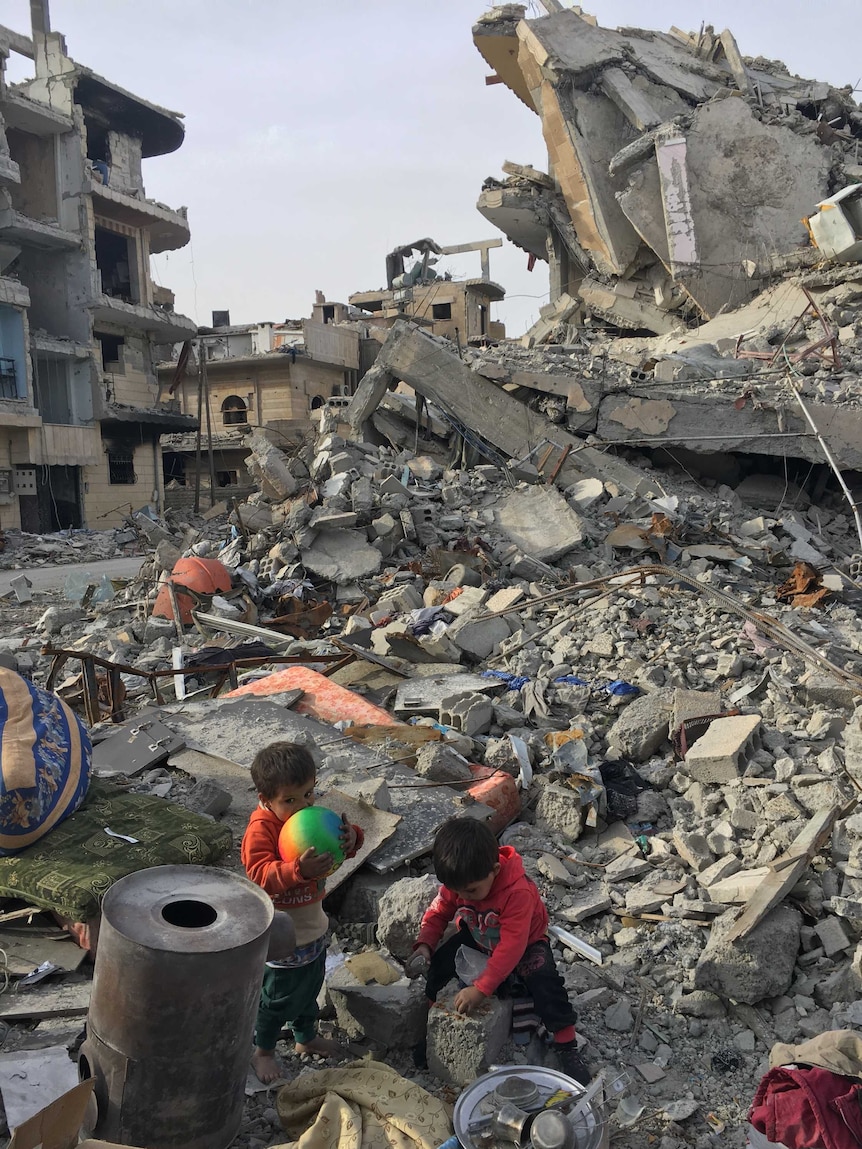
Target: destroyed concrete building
x: 680, y: 173
x: 456, y: 309
x: 278, y: 376
x: 79, y: 312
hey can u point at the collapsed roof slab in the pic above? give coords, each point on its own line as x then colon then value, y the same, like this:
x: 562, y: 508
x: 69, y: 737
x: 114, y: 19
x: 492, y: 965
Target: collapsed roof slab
x: 431, y: 368
x: 748, y: 187
x: 516, y: 211
x: 657, y: 416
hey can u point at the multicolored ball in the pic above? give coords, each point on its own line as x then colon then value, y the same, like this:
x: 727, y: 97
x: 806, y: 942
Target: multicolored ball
x: 315, y: 826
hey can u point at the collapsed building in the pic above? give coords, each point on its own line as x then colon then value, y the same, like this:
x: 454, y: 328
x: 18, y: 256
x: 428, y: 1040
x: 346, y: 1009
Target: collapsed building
x: 79, y: 311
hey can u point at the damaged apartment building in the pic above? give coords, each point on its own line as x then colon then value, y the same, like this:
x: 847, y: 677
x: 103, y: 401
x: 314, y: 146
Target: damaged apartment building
x: 79, y: 312
x: 692, y: 199
x: 234, y: 379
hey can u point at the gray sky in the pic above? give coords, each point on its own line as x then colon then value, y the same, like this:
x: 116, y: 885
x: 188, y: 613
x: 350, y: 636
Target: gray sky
x: 323, y: 133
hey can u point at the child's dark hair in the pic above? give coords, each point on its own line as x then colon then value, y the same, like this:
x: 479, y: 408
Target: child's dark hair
x: 465, y: 851
x: 281, y: 764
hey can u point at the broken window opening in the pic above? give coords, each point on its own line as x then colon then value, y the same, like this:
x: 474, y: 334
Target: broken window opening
x: 121, y: 465
x: 483, y: 319
x: 441, y: 310
x: 227, y: 478
x: 317, y: 402
x: 234, y: 412
x: 8, y: 379
x: 115, y: 262
x: 328, y: 314
x: 112, y: 356
x: 53, y: 393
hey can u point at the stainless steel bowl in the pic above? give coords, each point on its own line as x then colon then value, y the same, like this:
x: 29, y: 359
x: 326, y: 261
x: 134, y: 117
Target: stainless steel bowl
x: 552, y: 1130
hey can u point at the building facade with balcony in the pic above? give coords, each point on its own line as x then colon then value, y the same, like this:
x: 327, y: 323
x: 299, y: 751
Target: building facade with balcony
x: 80, y: 316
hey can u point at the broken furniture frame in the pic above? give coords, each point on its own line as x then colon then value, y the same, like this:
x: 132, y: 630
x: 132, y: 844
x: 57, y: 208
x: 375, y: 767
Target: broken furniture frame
x: 818, y: 347
x: 114, y: 670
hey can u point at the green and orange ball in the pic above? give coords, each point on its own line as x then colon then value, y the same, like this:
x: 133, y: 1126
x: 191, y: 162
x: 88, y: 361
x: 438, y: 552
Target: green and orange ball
x: 316, y: 827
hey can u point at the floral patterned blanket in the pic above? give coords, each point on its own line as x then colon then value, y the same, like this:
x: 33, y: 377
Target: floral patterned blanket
x: 69, y: 870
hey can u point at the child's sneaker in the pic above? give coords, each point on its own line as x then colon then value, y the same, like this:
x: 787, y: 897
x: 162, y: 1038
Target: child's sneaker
x: 572, y: 1064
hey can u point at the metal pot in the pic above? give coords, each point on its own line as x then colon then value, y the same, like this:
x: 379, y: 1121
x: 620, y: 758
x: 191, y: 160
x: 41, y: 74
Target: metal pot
x: 552, y: 1130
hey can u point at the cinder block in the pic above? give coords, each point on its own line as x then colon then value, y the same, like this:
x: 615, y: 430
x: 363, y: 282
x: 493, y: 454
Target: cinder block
x: 462, y: 1047
x: 716, y: 756
x: 832, y: 936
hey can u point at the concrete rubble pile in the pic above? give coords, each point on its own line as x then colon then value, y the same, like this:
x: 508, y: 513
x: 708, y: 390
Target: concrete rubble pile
x: 668, y: 668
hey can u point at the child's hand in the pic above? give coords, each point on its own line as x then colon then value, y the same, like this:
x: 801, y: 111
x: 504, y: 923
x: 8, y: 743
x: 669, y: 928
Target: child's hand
x: 467, y: 1000
x: 313, y: 865
x: 417, y: 963
x: 347, y: 835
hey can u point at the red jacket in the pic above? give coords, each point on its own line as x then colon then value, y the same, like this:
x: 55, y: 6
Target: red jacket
x: 281, y: 880
x: 512, y: 917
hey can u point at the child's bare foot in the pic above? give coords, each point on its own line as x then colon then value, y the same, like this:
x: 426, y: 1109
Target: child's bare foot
x: 323, y: 1046
x: 265, y: 1066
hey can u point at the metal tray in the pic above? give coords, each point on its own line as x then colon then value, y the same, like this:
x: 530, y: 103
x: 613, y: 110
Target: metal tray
x: 468, y: 1107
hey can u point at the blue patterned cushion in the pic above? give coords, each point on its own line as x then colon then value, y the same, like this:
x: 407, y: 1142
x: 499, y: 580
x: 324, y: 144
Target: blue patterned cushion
x: 44, y: 762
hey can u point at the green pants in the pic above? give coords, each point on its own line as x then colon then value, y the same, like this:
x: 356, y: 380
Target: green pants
x: 289, y: 997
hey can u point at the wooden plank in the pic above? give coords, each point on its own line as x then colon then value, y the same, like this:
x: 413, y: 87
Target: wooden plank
x: 67, y: 999
x: 785, y: 872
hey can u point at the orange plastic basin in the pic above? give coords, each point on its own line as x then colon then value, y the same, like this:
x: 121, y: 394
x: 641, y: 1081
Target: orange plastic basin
x: 206, y: 576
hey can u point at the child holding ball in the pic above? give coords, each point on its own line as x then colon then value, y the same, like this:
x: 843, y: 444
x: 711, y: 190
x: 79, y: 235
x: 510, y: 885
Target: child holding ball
x: 284, y: 776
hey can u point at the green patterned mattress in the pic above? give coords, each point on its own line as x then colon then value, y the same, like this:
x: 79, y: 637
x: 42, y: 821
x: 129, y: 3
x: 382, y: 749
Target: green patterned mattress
x: 70, y: 869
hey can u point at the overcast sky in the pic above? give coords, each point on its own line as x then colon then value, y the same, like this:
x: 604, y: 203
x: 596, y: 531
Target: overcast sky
x: 320, y: 134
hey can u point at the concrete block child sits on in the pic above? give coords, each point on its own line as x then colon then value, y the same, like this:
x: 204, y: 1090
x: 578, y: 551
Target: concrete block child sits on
x: 499, y: 911
x: 284, y: 775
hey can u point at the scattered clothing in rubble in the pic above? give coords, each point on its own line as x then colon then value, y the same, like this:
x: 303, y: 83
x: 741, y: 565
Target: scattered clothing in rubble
x: 808, y: 1109
x: 622, y: 786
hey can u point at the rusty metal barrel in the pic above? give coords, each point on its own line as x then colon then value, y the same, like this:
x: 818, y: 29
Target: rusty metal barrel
x: 179, y: 965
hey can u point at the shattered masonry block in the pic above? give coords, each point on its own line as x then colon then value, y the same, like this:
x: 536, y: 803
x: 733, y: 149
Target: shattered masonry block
x: 342, y: 556
x: 470, y: 599
x: 693, y: 849
x: 642, y: 727
x: 461, y: 1048
x: 361, y: 495
x: 478, y: 637
x: 392, y: 1014
x: 832, y: 936
x: 694, y: 704
x: 372, y: 791
x: 716, y: 755
x: 723, y: 868
x: 504, y: 599
x: 472, y: 714
x: 559, y: 810
x: 540, y: 522
x: 586, y: 905
x: 441, y: 763
x: 325, y: 519
x: 400, y: 913
x: 400, y: 599
x: 755, y: 967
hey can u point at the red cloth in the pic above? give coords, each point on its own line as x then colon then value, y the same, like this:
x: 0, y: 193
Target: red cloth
x: 281, y: 880
x: 808, y: 1109
x: 512, y: 917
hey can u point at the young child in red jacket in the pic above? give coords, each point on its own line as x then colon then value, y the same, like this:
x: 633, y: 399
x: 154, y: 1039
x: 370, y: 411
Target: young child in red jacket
x: 498, y: 911
x: 284, y: 776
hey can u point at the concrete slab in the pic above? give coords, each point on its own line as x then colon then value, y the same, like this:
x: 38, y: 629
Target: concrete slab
x: 540, y: 522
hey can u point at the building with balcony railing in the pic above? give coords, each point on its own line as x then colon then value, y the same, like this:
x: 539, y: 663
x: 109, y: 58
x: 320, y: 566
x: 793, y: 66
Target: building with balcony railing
x: 79, y: 313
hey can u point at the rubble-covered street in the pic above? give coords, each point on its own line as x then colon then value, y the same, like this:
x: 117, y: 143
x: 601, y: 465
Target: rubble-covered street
x: 597, y: 585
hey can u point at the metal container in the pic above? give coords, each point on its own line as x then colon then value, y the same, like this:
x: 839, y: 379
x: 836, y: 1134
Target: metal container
x: 471, y: 1107
x: 552, y: 1130
x: 175, y: 993
x: 517, y: 1090
x: 510, y: 1123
